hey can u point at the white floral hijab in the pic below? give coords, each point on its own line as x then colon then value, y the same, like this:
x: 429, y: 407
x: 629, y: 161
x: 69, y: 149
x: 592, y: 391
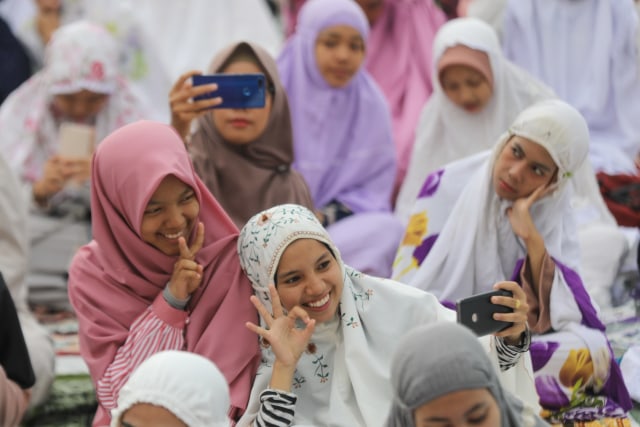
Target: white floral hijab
x: 343, y: 379
x: 81, y: 55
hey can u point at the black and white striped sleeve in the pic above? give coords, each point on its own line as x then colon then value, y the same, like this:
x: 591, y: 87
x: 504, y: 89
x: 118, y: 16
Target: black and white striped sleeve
x: 509, y: 355
x: 277, y: 409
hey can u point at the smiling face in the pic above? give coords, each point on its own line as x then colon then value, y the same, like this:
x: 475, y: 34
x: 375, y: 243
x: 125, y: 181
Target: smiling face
x: 242, y: 126
x: 172, y: 212
x: 80, y: 106
x: 521, y: 167
x: 339, y: 54
x: 466, y: 87
x: 309, y: 276
x: 475, y: 407
x: 147, y: 415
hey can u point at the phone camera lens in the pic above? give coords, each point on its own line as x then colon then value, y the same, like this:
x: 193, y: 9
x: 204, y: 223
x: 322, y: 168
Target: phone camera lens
x: 246, y: 91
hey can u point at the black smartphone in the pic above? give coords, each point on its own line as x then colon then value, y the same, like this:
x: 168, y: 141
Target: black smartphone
x: 476, y: 312
x: 236, y: 90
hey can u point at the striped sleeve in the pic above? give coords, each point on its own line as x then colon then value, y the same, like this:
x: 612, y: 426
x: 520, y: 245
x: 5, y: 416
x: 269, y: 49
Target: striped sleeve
x: 277, y: 409
x: 159, y: 328
x: 509, y: 355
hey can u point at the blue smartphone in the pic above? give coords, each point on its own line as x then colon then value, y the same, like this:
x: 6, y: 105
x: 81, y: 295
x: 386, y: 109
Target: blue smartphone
x: 236, y: 90
x: 476, y: 312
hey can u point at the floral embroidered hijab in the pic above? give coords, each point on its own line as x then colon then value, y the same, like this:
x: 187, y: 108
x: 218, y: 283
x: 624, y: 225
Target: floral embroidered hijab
x: 343, y: 379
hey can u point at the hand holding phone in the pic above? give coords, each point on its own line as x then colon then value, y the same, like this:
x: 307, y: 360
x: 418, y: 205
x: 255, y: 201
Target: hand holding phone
x: 476, y: 312
x: 237, y: 91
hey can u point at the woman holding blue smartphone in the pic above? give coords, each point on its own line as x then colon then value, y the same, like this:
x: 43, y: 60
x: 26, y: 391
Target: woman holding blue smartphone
x: 506, y: 213
x: 243, y: 155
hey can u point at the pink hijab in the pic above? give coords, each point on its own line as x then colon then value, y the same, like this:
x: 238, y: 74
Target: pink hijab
x: 399, y: 59
x: 115, y: 278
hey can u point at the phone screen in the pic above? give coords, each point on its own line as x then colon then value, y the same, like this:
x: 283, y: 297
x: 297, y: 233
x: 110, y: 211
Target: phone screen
x: 236, y: 90
x: 76, y: 140
x: 476, y: 312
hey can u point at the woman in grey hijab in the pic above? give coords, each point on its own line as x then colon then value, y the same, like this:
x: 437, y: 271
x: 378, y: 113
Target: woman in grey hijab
x: 452, y: 383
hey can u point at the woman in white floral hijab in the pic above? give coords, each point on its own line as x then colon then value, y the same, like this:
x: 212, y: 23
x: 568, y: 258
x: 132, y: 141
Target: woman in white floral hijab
x: 328, y: 331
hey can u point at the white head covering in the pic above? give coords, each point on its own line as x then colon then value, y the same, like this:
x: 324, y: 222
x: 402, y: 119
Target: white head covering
x: 447, y: 132
x: 81, y: 55
x: 476, y: 246
x: 345, y: 379
x: 187, y: 384
x: 457, y: 363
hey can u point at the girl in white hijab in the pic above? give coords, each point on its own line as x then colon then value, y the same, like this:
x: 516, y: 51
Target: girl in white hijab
x: 174, y: 389
x: 453, y: 382
x: 333, y: 368
x: 505, y: 213
x: 477, y: 94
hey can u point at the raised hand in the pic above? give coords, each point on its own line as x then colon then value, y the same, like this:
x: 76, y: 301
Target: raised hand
x: 187, y: 273
x: 519, y: 213
x: 287, y: 342
x: 518, y: 302
x: 183, y: 108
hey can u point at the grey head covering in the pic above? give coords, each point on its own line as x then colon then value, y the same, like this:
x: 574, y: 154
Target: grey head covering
x: 422, y: 372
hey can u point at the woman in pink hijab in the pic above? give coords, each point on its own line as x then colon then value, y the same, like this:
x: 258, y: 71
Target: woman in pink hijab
x: 161, y: 272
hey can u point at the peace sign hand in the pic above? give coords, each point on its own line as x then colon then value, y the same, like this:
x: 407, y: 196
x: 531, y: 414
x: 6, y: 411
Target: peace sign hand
x: 287, y: 342
x: 187, y: 273
x: 519, y: 213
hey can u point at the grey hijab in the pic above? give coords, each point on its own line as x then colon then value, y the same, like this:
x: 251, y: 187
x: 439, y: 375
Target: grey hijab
x: 442, y: 358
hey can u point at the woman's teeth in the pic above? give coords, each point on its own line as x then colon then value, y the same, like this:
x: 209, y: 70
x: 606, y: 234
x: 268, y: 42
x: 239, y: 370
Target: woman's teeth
x: 173, y: 236
x: 321, y: 302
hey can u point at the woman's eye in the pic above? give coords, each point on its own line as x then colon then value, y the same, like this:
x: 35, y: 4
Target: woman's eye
x: 538, y: 171
x: 292, y: 280
x: 324, y: 265
x: 330, y: 43
x: 516, y: 152
x: 152, y: 211
x: 358, y: 47
x: 188, y: 197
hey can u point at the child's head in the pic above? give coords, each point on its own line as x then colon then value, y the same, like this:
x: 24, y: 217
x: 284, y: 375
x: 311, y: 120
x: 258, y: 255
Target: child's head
x: 466, y: 78
x: 243, y: 126
x: 464, y: 52
x: 173, y: 389
x: 288, y: 247
x: 81, y: 69
x: 334, y: 32
x: 547, y: 143
x: 452, y: 382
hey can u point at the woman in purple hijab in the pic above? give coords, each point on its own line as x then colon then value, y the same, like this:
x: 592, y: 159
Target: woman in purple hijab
x: 342, y: 132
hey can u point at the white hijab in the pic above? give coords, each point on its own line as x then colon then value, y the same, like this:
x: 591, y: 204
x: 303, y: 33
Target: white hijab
x: 187, y: 384
x: 445, y: 131
x: 475, y: 246
x: 346, y: 380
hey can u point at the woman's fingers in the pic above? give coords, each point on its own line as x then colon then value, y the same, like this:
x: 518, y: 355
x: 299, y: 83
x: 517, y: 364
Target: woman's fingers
x: 264, y: 313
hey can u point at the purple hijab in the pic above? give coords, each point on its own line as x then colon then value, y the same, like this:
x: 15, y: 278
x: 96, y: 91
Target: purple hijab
x: 342, y: 136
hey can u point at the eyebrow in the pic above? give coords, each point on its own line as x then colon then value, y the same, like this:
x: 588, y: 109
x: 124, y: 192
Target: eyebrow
x: 446, y: 420
x: 538, y: 164
x: 283, y: 276
x: 184, y: 193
